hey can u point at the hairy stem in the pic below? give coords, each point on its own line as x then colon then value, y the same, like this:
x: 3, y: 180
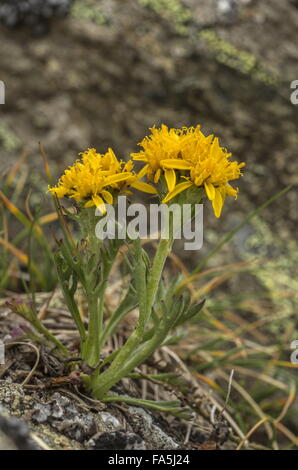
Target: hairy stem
x: 121, y: 366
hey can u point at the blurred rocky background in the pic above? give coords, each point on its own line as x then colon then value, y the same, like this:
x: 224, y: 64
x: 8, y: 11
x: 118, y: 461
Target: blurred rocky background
x: 87, y: 73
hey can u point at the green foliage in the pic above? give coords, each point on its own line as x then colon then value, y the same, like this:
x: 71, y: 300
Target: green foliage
x: 264, y: 378
x: 8, y: 140
x: 88, y: 10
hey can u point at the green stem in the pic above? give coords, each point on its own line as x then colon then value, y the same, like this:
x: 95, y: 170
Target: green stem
x: 172, y: 407
x: 95, y: 297
x: 101, y: 383
x: 42, y: 329
x: 91, y: 346
x: 161, y: 255
x: 126, y: 306
x: 133, y: 360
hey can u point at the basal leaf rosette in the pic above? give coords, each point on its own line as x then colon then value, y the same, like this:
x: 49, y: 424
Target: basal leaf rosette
x: 186, y: 158
x: 96, y: 179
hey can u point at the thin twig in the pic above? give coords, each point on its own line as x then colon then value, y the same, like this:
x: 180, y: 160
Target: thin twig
x: 22, y: 343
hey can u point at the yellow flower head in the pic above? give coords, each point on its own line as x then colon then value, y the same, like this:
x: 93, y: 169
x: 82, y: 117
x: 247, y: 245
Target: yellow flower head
x: 162, y: 146
x: 94, y: 179
x: 188, y: 154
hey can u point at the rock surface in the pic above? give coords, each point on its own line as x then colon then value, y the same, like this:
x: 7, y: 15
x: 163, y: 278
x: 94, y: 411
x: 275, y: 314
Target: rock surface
x: 62, y: 422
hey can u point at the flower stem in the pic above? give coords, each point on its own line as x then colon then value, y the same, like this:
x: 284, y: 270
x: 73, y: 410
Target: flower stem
x: 121, y: 366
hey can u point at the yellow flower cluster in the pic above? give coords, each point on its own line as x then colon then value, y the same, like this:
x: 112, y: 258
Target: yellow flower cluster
x: 187, y: 154
x: 94, y: 179
x: 183, y: 157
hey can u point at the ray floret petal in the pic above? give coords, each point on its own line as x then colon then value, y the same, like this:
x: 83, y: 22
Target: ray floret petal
x: 187, y: 153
